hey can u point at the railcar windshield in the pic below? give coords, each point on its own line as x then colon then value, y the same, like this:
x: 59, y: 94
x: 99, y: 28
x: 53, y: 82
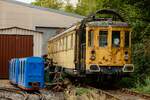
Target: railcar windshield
x: 126, y: 42
x: 116, y: 38
x: 103, y: 38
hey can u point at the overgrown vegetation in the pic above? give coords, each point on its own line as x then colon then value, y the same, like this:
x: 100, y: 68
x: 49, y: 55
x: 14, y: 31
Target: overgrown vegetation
x: 136, y: 13
x: 145, y: 88
x: 80, y: 91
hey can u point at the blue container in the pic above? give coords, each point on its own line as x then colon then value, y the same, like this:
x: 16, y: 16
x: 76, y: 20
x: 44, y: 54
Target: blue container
x: 13, y: 71
x: 31, y: 73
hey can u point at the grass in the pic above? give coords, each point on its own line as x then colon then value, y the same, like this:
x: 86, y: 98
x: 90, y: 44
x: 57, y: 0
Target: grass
x: 144, y: 88
x: 81, y: 90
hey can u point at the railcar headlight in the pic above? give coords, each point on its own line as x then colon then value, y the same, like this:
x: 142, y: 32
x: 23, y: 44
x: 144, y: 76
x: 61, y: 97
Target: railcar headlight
x: 93, y: 55
x: 128, y: 68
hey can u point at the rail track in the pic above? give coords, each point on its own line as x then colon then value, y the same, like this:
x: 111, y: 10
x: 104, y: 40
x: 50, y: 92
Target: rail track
x: 5, y: 94
x: 135, y: 93
x: 108, y: 95
x: 122, y: 94
x: 114, y: 94
x: 40, y: 95
x: 126, y: 94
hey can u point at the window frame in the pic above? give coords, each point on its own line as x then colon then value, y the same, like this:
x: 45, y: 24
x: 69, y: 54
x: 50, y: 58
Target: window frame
x: 125, y: 32
x: 91, y: 39
x: 99, y: 37
x: 71, y: 47
x: 112, y: 43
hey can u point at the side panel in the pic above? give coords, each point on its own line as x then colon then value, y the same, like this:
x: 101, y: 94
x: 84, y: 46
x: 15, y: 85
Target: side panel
x: 61, y: 50
x: 31, y: 70
x: 13, y: 70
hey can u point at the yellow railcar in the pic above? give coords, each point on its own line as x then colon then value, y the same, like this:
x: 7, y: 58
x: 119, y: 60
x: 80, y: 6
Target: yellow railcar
x: 95, y: 45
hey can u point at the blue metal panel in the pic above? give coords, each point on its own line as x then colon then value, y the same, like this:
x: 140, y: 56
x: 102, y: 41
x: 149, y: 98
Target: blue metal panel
x: 26, y: 71
x: 13, y: 71
x: 10, y: 70
x: 31, y: 70
x: 21, y: 73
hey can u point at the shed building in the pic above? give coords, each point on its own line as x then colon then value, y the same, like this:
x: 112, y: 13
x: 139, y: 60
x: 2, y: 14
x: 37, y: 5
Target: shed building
x: 19, y: 23
x: 18, y: 42
x: 46, y: 20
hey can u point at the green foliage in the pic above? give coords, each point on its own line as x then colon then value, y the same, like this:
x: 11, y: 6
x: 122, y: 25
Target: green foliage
x: 69, y: 7
x: 55, y: 4
x: 86, y: 7
x: 144, y: 88
x: 127, y: 82
x: 81, y: 90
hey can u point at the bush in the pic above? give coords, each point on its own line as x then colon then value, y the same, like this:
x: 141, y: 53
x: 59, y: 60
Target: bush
x: 80, y: 91
x: 143, y: 87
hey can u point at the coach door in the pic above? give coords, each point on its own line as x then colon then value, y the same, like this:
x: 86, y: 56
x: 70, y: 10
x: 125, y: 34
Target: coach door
x: 83, y: 56
x: 13, y: 46
x: 116, y: 47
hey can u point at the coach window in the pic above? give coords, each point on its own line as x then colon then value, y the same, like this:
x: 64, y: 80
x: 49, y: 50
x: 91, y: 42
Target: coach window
x: 115, y: 38
x: 52, y: 46
x: 57, y: 45
x: 126, y: 42
x: 103, y: 38
x: 71, y: 41
x: 63, y: 43
x: 66, y: 43
x: 60, y: 45
x: 91, y: 38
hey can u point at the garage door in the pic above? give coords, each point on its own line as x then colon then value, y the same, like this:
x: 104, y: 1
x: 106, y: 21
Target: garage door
x: 12, y: 46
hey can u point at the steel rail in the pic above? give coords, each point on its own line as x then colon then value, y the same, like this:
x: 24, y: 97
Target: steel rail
x: 18, y: 91
x: 109, y: 95
x: 2, y: 97
x: 128, y: 91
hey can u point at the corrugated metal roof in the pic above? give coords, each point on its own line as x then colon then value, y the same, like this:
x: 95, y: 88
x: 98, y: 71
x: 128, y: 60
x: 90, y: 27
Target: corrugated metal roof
x: 19, y: 28
x: 45, y: 9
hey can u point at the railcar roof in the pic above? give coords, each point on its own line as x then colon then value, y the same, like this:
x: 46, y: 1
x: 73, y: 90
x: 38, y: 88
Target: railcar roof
x: 67, y: 30
x: 94, y: 24
x: 107, y: 23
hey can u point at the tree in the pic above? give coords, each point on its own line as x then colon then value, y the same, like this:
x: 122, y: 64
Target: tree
x: 86, y: 7
x: 69, y: 7
x: 55, y: 4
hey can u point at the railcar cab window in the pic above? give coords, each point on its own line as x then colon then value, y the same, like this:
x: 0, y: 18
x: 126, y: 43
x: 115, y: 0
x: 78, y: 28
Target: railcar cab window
x: 126, y: 42
x: 116, y: 38
x: 103, y: 38
x: 91, y: 38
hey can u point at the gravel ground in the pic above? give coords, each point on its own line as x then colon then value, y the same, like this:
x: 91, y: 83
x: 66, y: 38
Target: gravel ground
x: 5, y: 83
x: 49, y: 95
x: 70, y: 93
